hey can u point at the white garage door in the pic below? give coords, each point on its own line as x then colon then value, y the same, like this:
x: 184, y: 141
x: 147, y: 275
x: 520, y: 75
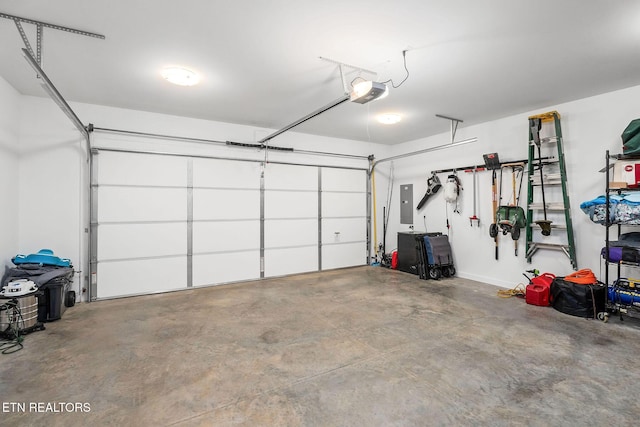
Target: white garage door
x: 290, y: 219
x: 164, y: 222
x: 141, y: 224
x: 226, y: 221
x: 344, y: 218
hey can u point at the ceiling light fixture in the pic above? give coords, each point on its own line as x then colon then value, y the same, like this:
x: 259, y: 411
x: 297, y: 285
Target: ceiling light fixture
x: 368, y: 90
x: 389, y: 118
x: 180, y: 76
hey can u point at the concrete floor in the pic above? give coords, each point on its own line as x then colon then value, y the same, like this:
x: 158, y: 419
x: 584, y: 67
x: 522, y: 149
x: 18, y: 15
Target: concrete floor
x: 354, y: 347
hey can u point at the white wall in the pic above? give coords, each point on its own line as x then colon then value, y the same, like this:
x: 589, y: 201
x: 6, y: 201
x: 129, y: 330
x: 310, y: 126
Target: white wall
x: 52, y: 163
x: 9, y: 140
x: 590, y: 126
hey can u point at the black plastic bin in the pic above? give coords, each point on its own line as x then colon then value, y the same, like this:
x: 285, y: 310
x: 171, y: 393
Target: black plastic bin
x: 56, y: 297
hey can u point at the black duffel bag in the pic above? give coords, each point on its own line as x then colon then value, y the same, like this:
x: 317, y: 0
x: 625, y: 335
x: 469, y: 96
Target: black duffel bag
x: 582, y: 300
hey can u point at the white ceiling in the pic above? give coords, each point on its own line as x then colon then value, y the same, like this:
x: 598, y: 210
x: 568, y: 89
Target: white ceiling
x: 473, y: 60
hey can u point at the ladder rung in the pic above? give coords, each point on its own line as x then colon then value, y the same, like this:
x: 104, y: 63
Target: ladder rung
x: 556, y: 246
x: 550, y: 206
x: 546, y: 161
x: 547, y: 176
x: 549, y: 179
x: 558, y: 226
x: 537, y: 184
x: 534, y: 246
x: 546, y: 140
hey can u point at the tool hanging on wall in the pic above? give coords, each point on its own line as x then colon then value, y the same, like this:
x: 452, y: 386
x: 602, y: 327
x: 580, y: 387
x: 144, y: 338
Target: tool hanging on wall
x: 511, y: 218
x: 474, y: 217
x: 516, y: 203
x: 433, y: 185
x: 452, y: 189
x: 493, y: 163
x: 493, y: 228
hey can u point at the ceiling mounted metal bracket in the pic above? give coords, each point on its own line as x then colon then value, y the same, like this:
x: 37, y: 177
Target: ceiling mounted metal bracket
x: 40, y: 34
x: 454, y: 125
x: 25, y: 40
x: 341, y: 66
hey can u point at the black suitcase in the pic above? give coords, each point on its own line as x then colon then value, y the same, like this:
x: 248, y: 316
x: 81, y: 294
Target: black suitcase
x: 438, y: 257
x: 410, y: 251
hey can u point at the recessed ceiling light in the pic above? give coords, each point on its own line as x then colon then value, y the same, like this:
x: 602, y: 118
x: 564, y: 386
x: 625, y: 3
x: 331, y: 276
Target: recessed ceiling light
x: 389, y: 118
x: 180, y: 76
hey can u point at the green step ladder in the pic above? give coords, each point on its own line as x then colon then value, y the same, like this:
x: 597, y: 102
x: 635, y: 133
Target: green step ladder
x: 539, y: 228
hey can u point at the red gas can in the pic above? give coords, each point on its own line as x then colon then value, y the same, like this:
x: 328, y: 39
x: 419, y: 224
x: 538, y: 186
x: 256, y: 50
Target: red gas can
x: 394, y: 259
x: 537, y: 295
x: 544, y: 279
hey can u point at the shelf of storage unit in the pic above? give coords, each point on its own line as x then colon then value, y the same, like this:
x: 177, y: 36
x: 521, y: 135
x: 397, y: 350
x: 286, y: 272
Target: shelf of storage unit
x: 617, y: 306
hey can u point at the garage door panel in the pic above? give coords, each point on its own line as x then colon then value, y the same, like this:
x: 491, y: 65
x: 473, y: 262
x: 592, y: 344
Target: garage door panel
x: 141, y: 204
x: 223, y: 268
x: 334, y: 179
x: 226, y: 236
x: 280, y: 262
x: 120, y: 241
x: 141, y: 169
x: 225, y: 174
x: 287, y: 204
x: 290, y: 232
x: 343, y: 204
x: 141, y: 276
x: 343, y: 230
x: 343, y: 255
x: 290, y: 177
x: 225, y: 204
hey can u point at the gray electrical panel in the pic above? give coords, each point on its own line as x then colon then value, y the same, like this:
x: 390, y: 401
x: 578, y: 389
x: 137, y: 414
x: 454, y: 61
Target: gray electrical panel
x: 406, y: 204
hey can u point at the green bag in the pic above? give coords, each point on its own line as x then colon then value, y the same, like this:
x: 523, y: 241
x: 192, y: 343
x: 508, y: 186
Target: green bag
x: 631, y: 138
